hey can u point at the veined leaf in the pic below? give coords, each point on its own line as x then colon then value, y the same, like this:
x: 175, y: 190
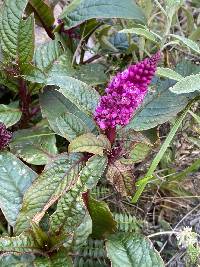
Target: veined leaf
x: 79, y: 93
x: 24, y: 243
x: 44, y: 12
x: 51, y: 97
x: 47, y: 54
x: 168, y: 73
x: 59, y: 259
x: 11, y: 260
x: 15, y: 179
x: 158, y: 107
x: 90, y: 143
x: 35, y: 145
x: 189, y: 43
x: 142, y: 32
x: 25, y: 49
x: 58, y: 178
x: 10, y: 21
x: 9, y: 115
x: 121, y: 177
x: 69, y: 126
x: 187, y: 85
x: 70, y: 209
x: 103, y: 223
x: 82, y: 233
x: 132, y: 250
x: 80, y: 11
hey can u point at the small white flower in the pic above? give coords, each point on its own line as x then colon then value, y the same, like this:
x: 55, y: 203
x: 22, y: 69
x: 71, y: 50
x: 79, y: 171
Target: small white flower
x: 186, y: 237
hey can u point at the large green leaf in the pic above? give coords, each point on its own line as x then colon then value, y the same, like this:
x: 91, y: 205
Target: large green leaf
x: 168, y: 73
x: 145, y: 32
x: 58, y: 177
x: 187, y: 85
x: 25, y: 49
x: 24, y: 243
x: 132, y: 250
x: 10, y: 23
x: 158, y: 107
x: 9, y: 115
x: 70, y: 126
x: 44, y: 12
x: 52, y: 98
x: 81, y: 10
x: 34, y: 145
x: 15, y: 179
x: 47, y: 54
x: 90, y: 143
x: 189, y: 43
x: 70, y: 209
x: 86, y: 73
x: 79, y: 93
x: 103, y: 223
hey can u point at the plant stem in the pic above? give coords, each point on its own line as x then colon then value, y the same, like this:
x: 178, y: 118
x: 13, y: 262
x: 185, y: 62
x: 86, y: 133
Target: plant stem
x: 111, y: 134
x: 24, y: 101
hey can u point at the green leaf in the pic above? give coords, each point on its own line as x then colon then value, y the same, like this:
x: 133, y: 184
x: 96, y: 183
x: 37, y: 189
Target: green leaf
x: 9, y: 115
x: 69, y: 213
x: 35, y: 145
x: 80, y: 11
x: 187, y: 42
x: 69, y: 126
x: 90, y: 143
x: 24, y: 243
x: 8, y: 81
x: 132, y: 250
x: 15, y: 179
x: 70, y: 209
x: 79, y: 93
x: 196, y: 117
x: 10, y: 23
x: 168, y: 73
x: 58, y: 177
x: 172, y: 6
x: 16, y: 260
x: 103, y: 223
x: 93, y: 171
x: 51, y: 97
x: 47, y: 54
x: 138, y: 153
x: 25, y: 49
x: 88, y: 74
x: 58, y: 259
x: 158, y: 107
x: 142, y: 32
x: 44, y: 12
x: 82, y: 232
x: 187, y: 85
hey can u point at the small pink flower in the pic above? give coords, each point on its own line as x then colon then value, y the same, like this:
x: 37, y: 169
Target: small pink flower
x: 125, y: 93
x: 5, y: 136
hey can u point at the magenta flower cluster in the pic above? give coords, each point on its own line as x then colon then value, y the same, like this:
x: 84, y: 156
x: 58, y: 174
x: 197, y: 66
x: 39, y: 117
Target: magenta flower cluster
x: 125, y: 93
x: 5, y: 136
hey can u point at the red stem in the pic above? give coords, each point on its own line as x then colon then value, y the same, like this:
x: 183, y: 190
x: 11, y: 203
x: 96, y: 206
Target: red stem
x: 111, y: 134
